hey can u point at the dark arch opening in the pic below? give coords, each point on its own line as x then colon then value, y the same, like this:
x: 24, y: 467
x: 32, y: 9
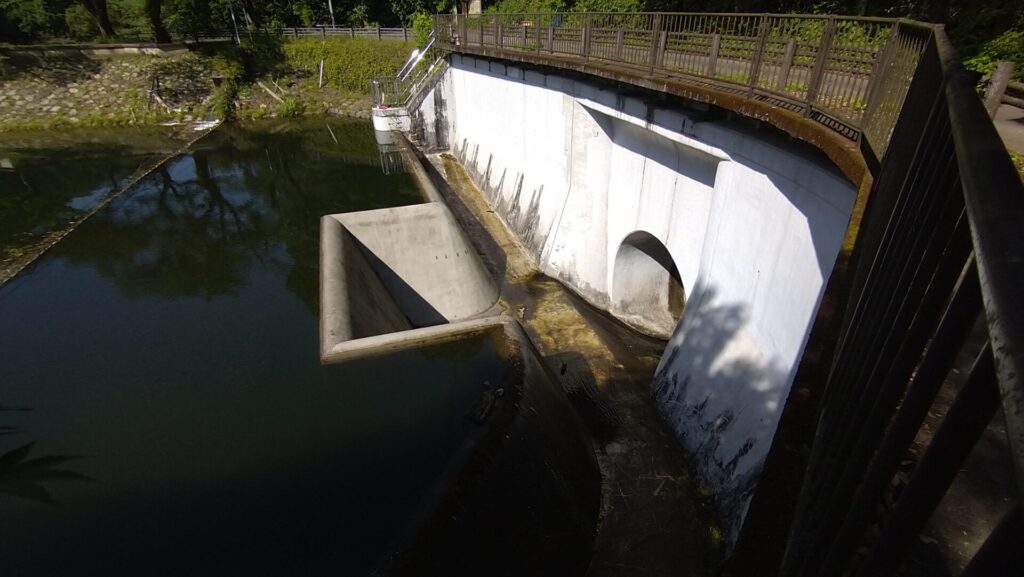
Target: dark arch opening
x: 646, y: 289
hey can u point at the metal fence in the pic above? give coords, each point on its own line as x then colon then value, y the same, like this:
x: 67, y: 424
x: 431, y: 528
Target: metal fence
x: 849, y: 73
x: 401, y: 34
x: 423, y: 67
x: 939, y: 247
x: 375, y: 33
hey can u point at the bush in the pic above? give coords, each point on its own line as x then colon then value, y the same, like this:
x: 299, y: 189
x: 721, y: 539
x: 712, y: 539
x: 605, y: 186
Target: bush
x: 291, y: 107
x: 422, y: 25
x: 1007, y: 46
x: 80, y: 24
x: 349, y: 63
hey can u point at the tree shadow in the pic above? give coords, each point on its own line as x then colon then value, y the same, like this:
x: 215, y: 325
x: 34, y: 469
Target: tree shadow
x: 722, y: 398
x: 64, y: 68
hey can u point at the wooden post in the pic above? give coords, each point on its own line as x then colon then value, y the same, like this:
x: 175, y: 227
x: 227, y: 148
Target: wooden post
x: 323, y: 34
x: 551, y: 39
x: 526, y: 35
x: 499, y: 35
x: 405, y: 33
x: 619, y: 34
x: 716, y: 42
x: 378, y: 33
x: 352, y: 31
x: 997, y: 87
x: 787, y: 64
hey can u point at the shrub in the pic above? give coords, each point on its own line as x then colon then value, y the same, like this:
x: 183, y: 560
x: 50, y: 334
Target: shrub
x: 349, y: 63
x: 291, y: 107
x: 422, y: 25
x: 1007, y: 46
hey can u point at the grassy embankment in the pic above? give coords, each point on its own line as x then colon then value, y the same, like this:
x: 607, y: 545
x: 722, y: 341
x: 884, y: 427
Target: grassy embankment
x: 260, y: 78
x: 289, y: 69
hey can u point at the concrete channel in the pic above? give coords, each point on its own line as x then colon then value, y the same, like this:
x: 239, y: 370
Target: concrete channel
x: 608, y: 455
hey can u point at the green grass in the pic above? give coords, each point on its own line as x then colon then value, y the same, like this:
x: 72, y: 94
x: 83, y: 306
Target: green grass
x: 349, y: 63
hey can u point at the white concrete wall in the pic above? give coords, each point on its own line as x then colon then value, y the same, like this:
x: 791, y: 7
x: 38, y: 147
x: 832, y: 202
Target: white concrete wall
x: 752, y: 222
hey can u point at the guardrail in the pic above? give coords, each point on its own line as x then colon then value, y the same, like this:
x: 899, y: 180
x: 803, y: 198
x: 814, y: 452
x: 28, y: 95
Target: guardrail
x: 423, y: 65
x: 849, y: 73
x: 939, y: 246
x: 325, y: 31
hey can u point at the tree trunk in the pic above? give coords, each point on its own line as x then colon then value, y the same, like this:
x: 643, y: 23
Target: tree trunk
x: 156, y: 23
x: 98, y: 10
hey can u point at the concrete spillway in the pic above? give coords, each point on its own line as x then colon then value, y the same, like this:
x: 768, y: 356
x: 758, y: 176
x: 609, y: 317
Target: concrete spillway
x: 682, y: 220
x: 395, y: 277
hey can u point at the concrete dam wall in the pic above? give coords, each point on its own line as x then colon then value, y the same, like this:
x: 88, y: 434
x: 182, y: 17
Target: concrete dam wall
x: 715, y: 233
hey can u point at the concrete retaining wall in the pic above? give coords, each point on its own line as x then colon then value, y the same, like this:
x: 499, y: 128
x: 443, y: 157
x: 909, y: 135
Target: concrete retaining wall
x: 599, y: 185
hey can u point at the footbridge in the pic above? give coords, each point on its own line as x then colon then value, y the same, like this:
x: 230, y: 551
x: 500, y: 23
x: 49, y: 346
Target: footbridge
x: 812, y: 210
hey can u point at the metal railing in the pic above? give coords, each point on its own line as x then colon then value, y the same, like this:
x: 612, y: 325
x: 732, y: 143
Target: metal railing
x: 423, y: 66
x: 940, y: 246
x: 849, y: 73
x: 375, y: 33
x: 401, y: 34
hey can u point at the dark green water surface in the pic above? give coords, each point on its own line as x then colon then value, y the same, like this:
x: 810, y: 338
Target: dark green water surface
x: 169, y: 345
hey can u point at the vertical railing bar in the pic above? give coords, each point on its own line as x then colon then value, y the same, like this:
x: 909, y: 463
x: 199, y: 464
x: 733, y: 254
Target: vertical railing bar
x: 818, y: 71
x: 755, y: 65
x: 873, y: 227
x: 925, y: 290
x: 950, y: 336
x: 965, y: 421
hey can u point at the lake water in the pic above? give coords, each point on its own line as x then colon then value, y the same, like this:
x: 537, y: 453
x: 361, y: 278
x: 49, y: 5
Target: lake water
x: 168, y: 348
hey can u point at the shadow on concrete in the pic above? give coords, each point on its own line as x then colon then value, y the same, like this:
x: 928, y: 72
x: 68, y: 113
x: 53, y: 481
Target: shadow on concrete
x: 722, y: 398
x: 415, y: 308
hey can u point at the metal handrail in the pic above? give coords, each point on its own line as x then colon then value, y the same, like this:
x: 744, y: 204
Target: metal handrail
x: 850, y: 73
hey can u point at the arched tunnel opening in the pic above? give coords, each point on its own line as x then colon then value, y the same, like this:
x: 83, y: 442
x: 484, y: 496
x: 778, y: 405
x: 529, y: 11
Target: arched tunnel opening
x: 647, y: 291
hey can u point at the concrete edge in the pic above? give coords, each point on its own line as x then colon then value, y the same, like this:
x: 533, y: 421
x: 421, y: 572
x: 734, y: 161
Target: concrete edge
x: 394, y: 342
x: 419, y: 174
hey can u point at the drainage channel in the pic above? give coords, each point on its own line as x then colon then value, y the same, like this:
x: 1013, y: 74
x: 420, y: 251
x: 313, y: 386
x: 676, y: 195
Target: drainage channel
x: 655, y: 518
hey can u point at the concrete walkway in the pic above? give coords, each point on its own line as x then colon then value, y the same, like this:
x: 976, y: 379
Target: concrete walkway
x: 1009, y: 122
x: 652, y: 521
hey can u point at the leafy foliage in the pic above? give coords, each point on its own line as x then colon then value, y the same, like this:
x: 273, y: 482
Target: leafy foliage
x: 24, y: 477
x: 349, y: 63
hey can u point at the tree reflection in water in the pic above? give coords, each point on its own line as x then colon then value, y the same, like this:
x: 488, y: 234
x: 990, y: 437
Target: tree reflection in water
x: 243, y: 197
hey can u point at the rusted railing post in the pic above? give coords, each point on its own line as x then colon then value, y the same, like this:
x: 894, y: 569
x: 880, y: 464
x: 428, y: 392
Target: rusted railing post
x: 716, y: 43
x: 618, y: 43
x: 878, y: 75
x: 499, y: 35
x: 536, y: 29
x: 587, y: 24
x: 820, y: 62
x: 787, y: 64
x: 655, y: 42
x: 755, y: 65
x: 551, y: 38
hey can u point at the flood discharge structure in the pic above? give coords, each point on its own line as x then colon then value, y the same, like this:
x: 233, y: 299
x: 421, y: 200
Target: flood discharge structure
x: 706, y: 179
